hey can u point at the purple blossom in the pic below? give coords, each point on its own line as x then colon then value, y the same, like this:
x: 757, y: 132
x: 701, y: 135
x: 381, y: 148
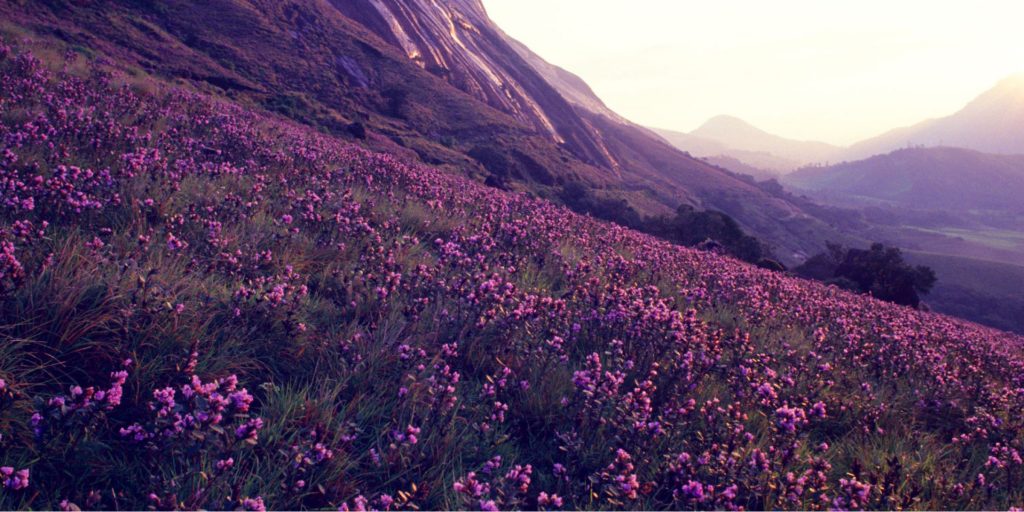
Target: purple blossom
x: 14, y: 480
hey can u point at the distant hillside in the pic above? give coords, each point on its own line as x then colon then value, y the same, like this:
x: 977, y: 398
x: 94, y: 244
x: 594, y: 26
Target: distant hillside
x: 924, y: 178
x: 726, y: 137
x: 992, y: 123
x: 740, y: 167
x: 956, y: 210
x: 985, y: 291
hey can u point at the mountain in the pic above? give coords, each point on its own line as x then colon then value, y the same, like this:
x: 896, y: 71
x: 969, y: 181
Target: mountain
x: 436, y: 81
x: 455, y: 40
x: 740, y: 135
x: 733, y: 138
x: 705, y: 148
x: 991, y: 123
x: 924, y: 178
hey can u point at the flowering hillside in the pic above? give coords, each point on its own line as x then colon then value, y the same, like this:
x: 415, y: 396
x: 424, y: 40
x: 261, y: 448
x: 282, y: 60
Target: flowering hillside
x: 203, y: 307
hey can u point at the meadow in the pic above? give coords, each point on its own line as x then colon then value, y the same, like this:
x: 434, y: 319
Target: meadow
x: 203, y: 306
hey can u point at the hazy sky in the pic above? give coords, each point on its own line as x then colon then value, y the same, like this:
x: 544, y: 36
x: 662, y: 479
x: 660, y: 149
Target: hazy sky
x: 810, y: 69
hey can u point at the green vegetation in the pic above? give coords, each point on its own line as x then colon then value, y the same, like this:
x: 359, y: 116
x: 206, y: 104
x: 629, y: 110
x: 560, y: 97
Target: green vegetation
x: 879, y: 271
x: 690, y: 227
x: 707, y: 229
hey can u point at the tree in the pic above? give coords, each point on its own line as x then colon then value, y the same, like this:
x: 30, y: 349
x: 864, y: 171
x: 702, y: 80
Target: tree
x: 691, y: 227
x: 879, y: 271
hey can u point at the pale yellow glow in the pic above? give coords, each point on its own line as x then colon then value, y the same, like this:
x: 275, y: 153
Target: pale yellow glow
x: 824, y: 70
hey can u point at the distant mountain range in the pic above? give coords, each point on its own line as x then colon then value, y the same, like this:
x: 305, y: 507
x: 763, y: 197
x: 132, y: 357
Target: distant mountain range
x: 746, y: 149
x: 739, y: 134
x: 991, y: 123
x: 924, y: 178
x: 767, y: 162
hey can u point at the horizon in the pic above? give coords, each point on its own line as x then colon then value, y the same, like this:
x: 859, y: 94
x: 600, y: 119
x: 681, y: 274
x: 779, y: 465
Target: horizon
x: 821, y: 72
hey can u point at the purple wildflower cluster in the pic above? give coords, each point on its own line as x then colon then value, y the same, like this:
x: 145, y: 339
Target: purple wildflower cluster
x: 195, y: 407
x: 209, y: 420
x: 305, y: 457
x: 10, y: 479
x: 489, y: 489
x: 64, y: 415
x: 14, y: 480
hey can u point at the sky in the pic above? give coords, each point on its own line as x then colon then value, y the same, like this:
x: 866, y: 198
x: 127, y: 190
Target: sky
x: 822, y: 70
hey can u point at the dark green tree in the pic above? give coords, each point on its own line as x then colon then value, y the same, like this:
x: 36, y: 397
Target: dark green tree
x: 879, y: 271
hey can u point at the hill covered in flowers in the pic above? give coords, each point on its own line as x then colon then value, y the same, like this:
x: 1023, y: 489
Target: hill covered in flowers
x: 202, y: 306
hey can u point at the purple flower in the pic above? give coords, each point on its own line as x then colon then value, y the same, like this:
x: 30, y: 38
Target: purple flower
x: 225, y: 464
x: 549, y: 501
x: 250, y: 429
x: 692, y: 491
x: 818, y: 410
x: 14, y: 480
x: 254, y: 504
x: 790, y: 418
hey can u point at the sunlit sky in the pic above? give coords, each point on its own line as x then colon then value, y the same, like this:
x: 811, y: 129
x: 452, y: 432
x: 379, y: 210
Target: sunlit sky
x: 807, y: 69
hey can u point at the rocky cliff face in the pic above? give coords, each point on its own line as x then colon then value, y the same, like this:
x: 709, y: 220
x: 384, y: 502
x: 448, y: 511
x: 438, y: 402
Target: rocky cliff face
x: 454, y: 39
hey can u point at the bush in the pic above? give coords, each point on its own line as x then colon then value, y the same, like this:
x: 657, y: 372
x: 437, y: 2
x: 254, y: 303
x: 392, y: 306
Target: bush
x: 691, y: 227
x: 577, y: 196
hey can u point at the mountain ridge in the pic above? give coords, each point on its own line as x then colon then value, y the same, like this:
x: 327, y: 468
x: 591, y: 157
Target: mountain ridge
x: 925, y: 177
x: 992, y: 122
x: 989, y: 123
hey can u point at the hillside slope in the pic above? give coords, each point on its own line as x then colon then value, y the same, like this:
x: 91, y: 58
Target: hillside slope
x: 987, y: 291
x: 206, y: 307
x: 433, y: 80
x: 471, y: 45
